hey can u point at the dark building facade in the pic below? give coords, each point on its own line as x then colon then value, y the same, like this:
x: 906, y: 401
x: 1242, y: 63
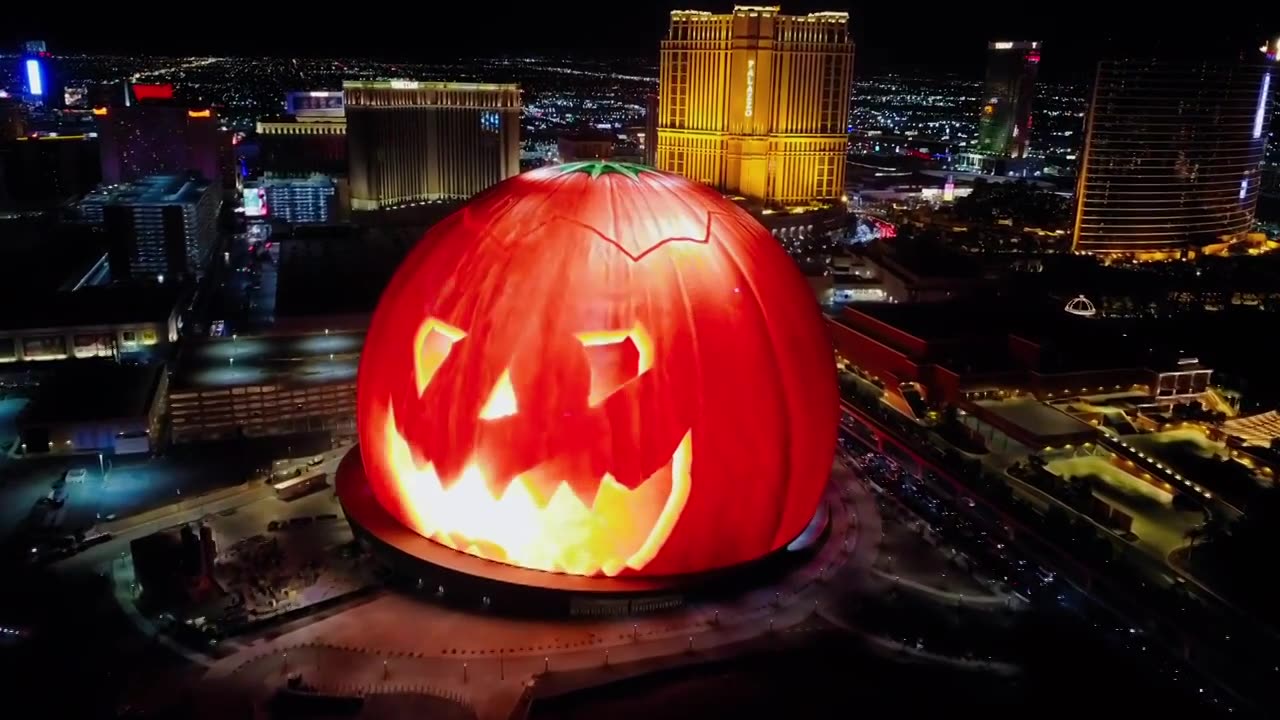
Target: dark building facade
x: 310, y: 139
x: 43, y: 172
x: 160, y: 227
x: 292, y: 148
x: 1004, y: 125
x: 148, y: 139
x: 1173, y: 154
x: 410, y: 142
x: 12, y: 123
x: 651, y: 105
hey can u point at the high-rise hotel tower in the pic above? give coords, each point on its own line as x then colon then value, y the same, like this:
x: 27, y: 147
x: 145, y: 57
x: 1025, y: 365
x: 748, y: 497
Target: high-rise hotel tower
x: 1173, y: 154
x: 410, y: 142
x: 1004, y: 125
x: 755, y: 103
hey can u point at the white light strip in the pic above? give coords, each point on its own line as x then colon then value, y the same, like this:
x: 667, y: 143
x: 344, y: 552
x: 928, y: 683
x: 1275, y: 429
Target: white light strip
x: 1262, y: 106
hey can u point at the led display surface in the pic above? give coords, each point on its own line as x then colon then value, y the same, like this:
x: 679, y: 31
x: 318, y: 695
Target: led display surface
x: 599, y: 369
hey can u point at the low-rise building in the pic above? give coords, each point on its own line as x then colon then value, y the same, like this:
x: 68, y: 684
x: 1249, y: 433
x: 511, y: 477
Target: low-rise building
x: 266, y: 385
x: 91, y: 322
x: 95, y: 407
x: 959, y: 351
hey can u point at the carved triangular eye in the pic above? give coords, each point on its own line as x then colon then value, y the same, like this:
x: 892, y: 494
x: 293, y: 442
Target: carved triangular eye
x: 616, y: 357
x: 434, y: 340
x: 502, y: 399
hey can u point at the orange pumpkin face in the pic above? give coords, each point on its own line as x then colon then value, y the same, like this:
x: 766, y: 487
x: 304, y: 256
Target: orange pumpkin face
x: 599, y: 369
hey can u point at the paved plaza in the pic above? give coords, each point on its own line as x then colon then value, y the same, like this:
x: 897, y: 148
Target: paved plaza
x: 485, y: 661
x: 399, y: 645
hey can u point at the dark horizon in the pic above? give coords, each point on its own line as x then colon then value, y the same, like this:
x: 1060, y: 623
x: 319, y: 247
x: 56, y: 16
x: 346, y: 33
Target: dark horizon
x: 943, y: 40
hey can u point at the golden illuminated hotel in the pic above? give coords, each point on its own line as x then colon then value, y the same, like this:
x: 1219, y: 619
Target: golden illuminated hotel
x: 410, y: 142
x: 756, y: 103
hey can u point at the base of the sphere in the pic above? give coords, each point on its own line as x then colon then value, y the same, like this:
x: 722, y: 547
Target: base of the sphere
x: 456, y: 578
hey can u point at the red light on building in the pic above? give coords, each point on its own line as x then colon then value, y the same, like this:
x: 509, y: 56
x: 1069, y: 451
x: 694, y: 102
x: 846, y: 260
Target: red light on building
x: 152, y: 92
x: 559, y: 378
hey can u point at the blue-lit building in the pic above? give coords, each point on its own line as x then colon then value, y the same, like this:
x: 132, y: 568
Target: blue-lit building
x: 159, y: 227
x: 39, y: 79
x: 308, y: 200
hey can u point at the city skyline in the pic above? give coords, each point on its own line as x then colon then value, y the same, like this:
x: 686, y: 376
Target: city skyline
x: 676, y: 360
x: 887, y: 36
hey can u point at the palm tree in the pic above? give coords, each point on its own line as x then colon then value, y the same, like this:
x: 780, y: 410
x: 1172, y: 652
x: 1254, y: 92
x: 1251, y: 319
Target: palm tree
x: 1215, y: 527
x: 1194, y: 535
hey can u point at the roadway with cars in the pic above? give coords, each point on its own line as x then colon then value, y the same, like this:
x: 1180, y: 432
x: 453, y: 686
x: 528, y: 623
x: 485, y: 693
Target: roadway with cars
x: 1109, y: 594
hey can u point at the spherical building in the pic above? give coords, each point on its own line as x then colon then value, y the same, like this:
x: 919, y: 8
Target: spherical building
x: 599, y: 370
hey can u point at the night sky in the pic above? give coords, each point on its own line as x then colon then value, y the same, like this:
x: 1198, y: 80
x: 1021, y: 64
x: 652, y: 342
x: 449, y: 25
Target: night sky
x: 890, y: 34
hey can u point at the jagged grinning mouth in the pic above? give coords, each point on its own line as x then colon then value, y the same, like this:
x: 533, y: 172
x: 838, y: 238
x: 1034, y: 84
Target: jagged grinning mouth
x: 617, y: 529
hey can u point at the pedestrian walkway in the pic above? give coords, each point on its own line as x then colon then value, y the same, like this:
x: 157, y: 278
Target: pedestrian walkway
x: 485, y: 662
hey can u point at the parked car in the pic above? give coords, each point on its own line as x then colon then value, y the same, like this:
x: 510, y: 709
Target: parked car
x: 77, y: 475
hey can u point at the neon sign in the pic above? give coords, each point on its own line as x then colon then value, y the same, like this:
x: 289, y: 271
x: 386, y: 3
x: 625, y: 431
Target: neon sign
x: 751, y: 85
x: 152, y: 92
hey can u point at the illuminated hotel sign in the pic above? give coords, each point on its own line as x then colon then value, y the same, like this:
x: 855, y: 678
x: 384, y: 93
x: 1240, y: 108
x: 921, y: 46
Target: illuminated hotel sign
x: 35, y: 77
x: 751, y: 85
x: 404, y: 84
x: 315, y: 104
x: 146, y: 91
x: 1002, y: 46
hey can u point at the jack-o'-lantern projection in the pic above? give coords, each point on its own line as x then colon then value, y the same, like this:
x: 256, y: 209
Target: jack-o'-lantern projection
x: 599, y: 369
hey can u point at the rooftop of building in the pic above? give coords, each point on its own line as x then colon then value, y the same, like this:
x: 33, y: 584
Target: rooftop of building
x: 427, y: 85
x: 91, y: 306
x: 1036, y: 419
x: 152, y: 190
x: 304, y: 119
x: 975, y: 335
x: 316, y: 261
x: 924, y: 260
x: 316, y: 180
x: 825, y: 15
x: 985, y: 315
x: 291, y: 360
x: 89, y: 390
